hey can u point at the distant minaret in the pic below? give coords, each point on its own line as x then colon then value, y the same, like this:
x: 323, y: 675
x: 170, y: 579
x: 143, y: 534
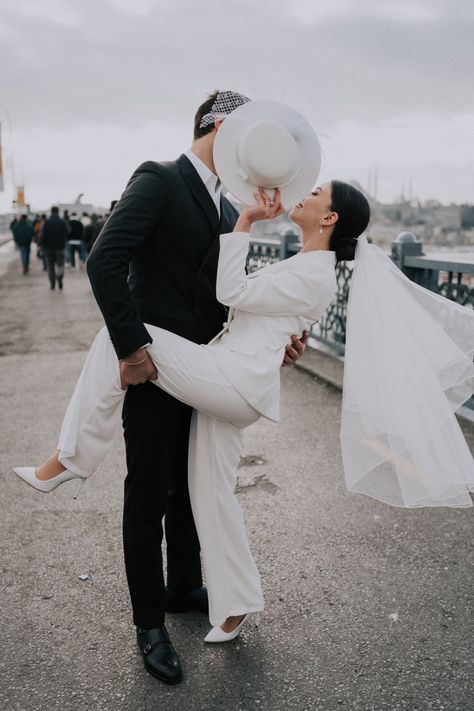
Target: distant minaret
x: 410, y: 189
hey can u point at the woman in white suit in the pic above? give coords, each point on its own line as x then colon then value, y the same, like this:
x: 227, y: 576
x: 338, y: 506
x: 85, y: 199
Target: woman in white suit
x: 230, y: 383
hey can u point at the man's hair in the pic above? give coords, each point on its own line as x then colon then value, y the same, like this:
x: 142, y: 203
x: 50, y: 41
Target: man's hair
x: 205, y: 108
x: 54, y: 210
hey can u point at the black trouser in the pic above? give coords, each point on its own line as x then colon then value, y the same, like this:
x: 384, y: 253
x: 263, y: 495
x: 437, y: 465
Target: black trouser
x: 156, y: 430
x: 55, y: 261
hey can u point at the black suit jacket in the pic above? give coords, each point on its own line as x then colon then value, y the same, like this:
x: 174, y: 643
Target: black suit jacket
x: 155, y: 260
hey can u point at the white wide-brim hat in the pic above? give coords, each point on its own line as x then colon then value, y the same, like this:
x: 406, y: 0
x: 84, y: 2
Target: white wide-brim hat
x: 270, y: 145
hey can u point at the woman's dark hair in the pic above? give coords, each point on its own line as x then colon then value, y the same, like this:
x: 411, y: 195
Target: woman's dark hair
x: 205, y: 108
x: 354, y: 215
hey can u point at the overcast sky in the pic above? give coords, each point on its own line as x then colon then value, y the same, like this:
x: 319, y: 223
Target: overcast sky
x: 94, y: 87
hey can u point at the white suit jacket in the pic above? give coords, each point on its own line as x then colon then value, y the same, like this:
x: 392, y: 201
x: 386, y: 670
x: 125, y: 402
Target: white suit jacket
x: 266, y: 308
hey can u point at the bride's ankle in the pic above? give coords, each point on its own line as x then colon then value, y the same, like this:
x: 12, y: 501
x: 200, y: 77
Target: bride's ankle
x: 231, y: 623
x: 50, y: 468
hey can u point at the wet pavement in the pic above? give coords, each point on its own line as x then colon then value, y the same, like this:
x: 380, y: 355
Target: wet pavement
x: 367, y: 607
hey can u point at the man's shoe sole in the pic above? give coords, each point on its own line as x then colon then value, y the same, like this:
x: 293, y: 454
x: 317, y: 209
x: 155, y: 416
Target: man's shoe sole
x: 165, y: 680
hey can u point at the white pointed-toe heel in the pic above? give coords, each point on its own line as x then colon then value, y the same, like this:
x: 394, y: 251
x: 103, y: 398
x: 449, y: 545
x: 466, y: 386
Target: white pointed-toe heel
x: 28, y: 474
x: 217, y: 634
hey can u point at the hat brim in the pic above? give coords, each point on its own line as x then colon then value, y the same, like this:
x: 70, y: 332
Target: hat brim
x: 232, y: 129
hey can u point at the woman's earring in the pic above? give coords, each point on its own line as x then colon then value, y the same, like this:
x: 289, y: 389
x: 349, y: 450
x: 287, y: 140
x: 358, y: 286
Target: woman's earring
x: 321, y: 230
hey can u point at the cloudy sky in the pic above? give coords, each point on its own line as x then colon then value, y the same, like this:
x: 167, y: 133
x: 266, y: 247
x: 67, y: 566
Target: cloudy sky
x: 91, y: 88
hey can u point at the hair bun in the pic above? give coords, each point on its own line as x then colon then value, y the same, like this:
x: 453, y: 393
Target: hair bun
x: 353, y: 212
x: 345, y: 249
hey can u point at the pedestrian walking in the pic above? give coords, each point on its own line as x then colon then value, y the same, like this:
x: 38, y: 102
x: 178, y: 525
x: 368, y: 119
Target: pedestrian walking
x: 75, y: 241
x: 38, y: 226
x: 88, y: 237
x: 23, y: 234
x: 53, y: 241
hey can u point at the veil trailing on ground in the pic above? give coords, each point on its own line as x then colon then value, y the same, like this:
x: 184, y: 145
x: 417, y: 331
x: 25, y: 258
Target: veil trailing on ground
x: 408, y: 367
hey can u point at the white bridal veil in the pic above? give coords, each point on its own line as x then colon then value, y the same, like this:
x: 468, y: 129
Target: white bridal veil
x: 408, y: 367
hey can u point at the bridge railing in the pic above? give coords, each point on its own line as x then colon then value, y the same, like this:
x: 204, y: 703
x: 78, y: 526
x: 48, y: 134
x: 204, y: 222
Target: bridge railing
x: 450, y: 276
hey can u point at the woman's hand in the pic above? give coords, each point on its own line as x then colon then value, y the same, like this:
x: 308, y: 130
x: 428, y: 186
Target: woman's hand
x: 265, y: 209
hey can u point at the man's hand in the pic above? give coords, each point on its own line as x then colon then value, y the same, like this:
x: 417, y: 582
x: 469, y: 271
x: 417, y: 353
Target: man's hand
x: 295, y: 349
x: 137, y: 374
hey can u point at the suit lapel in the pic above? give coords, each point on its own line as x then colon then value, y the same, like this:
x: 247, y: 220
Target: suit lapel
x: 228, y: 219
x: 199, y: 191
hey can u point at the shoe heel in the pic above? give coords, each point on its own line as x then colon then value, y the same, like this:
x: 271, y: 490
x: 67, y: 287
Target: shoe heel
x: 81, y: 483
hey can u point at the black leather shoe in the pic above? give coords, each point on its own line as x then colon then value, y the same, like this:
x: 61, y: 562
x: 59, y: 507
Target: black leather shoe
x: 194, y: 601
x: 159, y: 655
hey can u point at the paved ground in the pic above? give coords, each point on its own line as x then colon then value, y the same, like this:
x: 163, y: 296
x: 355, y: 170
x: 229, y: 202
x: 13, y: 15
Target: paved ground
x: 367, y: 607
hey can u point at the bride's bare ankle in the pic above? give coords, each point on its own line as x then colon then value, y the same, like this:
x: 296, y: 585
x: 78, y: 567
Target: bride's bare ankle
x: 231, y: 623
x: 50, y: 468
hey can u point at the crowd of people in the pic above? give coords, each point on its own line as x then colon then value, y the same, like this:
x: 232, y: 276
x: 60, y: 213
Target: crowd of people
x: 62, y: 242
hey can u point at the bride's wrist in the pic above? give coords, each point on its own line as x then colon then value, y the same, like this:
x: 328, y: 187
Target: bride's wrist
x: 137, y: 357
x: 242, y: 225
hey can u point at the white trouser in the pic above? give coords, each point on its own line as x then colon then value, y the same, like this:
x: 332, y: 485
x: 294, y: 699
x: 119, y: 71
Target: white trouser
x: 231, y: 574
x: 188, y: 372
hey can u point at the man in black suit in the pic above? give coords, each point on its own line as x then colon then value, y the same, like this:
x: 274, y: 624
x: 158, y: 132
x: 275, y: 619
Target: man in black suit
x: 155, y: 261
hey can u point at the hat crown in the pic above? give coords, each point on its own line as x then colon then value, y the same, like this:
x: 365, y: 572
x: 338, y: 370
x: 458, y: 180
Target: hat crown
x: 266, y: 144
x: 268, y: 155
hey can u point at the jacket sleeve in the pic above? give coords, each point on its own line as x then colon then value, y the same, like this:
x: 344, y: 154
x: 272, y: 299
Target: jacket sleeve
x: 287, y: 292
x: 133, y: 221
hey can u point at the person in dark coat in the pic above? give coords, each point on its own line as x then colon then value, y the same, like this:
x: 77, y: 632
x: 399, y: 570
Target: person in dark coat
x: 38, y: 226
x: 54, y: 234
x: 155, y: 261
x: 23, y: 233
x: 75, y: 241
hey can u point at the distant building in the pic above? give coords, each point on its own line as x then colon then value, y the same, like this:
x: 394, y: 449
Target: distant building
x: 429, y: 220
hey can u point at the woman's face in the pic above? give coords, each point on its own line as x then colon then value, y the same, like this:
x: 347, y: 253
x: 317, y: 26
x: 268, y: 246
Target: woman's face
x: 312, y: 211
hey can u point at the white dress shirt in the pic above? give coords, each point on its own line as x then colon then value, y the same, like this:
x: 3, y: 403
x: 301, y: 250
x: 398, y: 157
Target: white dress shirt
x: 211, y: 181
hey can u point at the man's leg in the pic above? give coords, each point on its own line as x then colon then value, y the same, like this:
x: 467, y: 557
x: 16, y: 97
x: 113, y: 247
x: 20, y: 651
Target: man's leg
x: 23, y: 256
x: 152, y: 422
x: 59, y: 258
x: 82, y: 253
x: 67, y: 254
x: 50, y: 258
x: 182, y: 543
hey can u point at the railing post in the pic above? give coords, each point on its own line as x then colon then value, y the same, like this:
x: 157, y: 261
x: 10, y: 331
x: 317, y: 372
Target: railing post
x: 405, y: 245
x: 408, y: 245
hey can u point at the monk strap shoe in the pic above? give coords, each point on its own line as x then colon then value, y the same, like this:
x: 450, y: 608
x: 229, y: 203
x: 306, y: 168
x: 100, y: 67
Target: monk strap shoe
x: 159, y: 655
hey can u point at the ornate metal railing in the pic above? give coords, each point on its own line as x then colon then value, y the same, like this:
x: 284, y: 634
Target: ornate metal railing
x: 450, y: 275
x: 331, y: 329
